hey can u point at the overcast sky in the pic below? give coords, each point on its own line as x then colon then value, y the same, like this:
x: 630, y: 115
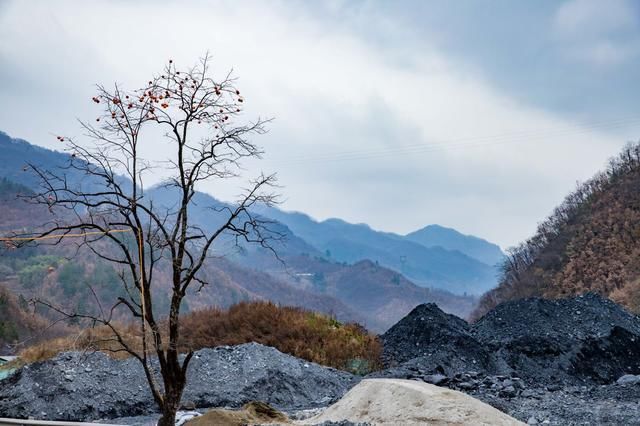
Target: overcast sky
x: 475, y: 115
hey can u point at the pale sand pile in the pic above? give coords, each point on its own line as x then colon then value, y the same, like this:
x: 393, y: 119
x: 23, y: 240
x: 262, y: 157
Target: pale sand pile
x: 408, y: 402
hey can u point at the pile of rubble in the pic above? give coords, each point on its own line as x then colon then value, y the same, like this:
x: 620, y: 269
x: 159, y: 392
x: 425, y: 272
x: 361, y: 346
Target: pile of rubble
x: 85, y: 387
x: 566, y: 361
x: 586, y: 339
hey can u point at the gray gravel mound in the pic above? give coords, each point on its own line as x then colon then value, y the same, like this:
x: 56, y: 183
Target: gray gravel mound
x: 80, y: 387
x: 572, y: 405
x: 233, y: 376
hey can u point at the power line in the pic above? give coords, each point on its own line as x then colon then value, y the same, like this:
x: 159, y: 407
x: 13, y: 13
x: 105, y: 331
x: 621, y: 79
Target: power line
x: 56, y: 236
x: 471, y: 142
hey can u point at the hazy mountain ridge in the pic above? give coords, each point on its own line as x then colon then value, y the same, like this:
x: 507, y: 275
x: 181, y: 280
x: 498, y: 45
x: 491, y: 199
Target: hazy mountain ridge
x: 366, y: 293
x: 378, y: 295
x: 432, y: 266
x: 250, y: 273
x: 17, y: 153
x: 59, y: 273
x: 450, y: 239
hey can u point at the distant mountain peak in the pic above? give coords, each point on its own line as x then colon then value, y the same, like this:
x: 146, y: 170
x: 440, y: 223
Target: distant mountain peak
x: 451, y: 239
x: 341, y: 222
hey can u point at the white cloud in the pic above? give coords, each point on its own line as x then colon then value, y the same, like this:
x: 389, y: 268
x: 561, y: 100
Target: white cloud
x: 594, y: 18
x: 606, y: 53
x: 590, y: 30
x: 500, y: 165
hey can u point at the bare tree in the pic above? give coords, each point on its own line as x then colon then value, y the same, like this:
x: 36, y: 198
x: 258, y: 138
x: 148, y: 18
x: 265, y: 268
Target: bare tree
x: 111, y: 215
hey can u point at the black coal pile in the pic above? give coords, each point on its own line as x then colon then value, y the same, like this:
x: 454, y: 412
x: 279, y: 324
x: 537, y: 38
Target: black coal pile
x: 605, y: 358
x: 433, y: 342
x: 80, y: 387
x: 585, y: 339
x: 561, y: 320
x: 566, y: 362
x: 581, y: 339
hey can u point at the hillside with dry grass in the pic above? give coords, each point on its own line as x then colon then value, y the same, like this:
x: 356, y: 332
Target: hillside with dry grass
x: 305, y: 334
x: 591, y: 243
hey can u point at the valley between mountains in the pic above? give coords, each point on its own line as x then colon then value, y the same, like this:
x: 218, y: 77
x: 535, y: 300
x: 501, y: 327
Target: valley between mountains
x: 347, y: 270
x: 546, y: 333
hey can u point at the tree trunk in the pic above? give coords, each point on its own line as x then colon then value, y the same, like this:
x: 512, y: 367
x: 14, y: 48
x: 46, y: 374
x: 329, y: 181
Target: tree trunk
x: 174, y: 384
x: 168, y: 417
x: 169, y: 408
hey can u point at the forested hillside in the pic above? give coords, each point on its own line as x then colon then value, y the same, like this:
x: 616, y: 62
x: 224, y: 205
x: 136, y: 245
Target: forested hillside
x: 20, y: 324
x: 16, y: 213
x: 381, y: 294
x: 14, y: 320
x: 591, y: 242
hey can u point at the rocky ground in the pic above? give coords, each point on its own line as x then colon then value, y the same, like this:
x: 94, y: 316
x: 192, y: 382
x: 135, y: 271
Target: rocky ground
x: 541, y: 361
x: 615, y: 404
x: 566, y: 362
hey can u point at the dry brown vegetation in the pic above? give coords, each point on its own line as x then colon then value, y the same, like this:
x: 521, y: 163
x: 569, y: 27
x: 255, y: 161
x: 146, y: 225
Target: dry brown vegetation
x: 298, y: 332
x: 589, y: 243
x: 81, y: 340
x: 304, y: 334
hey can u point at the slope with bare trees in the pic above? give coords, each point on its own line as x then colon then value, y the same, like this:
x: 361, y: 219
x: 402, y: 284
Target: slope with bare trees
x: 589, y: 243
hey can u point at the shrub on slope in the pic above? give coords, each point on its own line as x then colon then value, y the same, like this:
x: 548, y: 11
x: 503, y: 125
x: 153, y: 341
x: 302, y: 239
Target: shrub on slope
x: 304, y: 334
